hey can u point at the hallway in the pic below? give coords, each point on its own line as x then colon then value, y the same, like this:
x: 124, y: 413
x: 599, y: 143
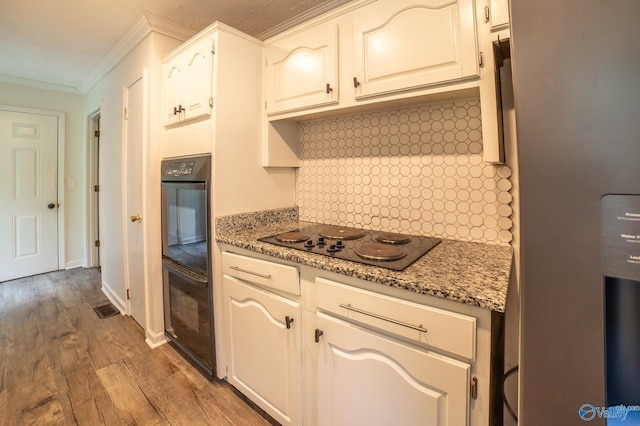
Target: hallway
x: 61, y: 364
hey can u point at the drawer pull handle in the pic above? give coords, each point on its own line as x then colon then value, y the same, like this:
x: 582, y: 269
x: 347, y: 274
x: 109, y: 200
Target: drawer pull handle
x: 317, y: 335
x: 288, y: 320
x: 418, y: 327
x: 237, y: 268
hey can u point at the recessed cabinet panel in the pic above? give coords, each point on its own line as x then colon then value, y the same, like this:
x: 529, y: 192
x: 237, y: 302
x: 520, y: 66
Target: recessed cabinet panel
x: 197, y: 87
x: 499, y: 14
x: 171, y: 75
x: 302, y: 70
x: 286, y: 74
x: 409, y: 44
x: 366, y: 378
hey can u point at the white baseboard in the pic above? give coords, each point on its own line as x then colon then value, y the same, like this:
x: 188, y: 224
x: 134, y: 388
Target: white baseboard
x: 74, y: 264
x: 155, y: 339
x: 113, y: 298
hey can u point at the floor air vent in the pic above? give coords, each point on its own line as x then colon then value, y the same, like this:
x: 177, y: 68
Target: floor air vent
x: 106, y: 311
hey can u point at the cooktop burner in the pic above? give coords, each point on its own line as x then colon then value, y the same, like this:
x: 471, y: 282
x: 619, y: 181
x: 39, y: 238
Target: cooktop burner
x: 341, y: 233
x: 292, y: 237
x: 380, y: 251
x: 390, y: 238
x: 384, y: 249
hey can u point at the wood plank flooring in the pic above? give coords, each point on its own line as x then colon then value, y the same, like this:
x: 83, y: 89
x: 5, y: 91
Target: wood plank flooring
x: 60, y: 364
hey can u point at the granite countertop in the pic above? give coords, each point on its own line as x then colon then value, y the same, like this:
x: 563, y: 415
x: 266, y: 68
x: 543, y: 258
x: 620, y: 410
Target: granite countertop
x: 472, y: 273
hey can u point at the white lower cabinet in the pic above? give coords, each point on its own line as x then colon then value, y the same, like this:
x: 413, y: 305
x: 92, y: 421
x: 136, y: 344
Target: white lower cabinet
x: 366, y: 378
x: 313, y: 351
x: 264, y: 346
x: 380, y: 360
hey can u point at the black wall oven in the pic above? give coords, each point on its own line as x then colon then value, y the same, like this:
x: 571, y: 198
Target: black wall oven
x: 186, y: 259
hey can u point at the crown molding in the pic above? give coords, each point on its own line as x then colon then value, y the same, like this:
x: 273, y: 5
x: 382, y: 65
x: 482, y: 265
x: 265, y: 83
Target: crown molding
x: 168, y: 28
x: 36, y: 84
x: 314, y: 12
x: 144, y: 25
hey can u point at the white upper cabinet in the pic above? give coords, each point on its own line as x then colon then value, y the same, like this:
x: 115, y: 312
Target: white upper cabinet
x: 302, y: 70
x: 408, y: 44
x: 188, y: 82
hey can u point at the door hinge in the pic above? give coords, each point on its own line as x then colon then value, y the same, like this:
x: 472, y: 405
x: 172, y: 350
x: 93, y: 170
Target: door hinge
x: 213, y: 49
x: 487, y: 13
x: 96, y: 243
x: 96, y: 133
x: 128, y: 294
x: 126, y: 113
x: 481, y: 60
x: 211, y: 102
x: 96, y: 188
x: 473, y: 388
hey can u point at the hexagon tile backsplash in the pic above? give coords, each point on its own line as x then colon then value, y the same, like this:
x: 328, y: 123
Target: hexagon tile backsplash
x: 416, y: 170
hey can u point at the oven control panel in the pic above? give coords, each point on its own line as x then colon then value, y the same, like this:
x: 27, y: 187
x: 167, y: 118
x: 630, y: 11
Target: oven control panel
x: 178, y: 168
x: 195, y: 168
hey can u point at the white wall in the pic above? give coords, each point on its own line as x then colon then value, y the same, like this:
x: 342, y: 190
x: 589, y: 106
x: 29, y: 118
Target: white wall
x: 143, y: 61
x: 71, y: 106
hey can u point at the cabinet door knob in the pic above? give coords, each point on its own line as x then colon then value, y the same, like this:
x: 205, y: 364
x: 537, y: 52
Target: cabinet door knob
x: 288, y: 320
x: 318, y: 334
x: 329, y: 89
x: 356, y: 83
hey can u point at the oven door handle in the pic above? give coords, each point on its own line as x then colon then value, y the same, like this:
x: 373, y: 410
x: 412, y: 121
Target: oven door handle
x: 173, y: 266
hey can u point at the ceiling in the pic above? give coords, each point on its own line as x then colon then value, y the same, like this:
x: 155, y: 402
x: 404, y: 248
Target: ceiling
x: 58, y: 44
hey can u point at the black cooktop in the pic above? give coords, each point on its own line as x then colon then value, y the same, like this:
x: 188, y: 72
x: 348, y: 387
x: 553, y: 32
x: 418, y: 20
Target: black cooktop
x: 377, y: 248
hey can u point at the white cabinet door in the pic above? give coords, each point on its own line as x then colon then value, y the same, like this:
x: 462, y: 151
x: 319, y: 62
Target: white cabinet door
x: 264, y: 349
x: 187, y: 83
x: 408, y: 44
x: 499, y: 14
x: 197, y: 79
x: 171, y: 74
x: 367, y: 379
x: 302, y: 70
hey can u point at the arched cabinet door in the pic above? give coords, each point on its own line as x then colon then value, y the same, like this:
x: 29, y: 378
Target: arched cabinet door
x: 365, y: 378
x: 302, y: 70
x: 264, y: 347
x: 408, y: 44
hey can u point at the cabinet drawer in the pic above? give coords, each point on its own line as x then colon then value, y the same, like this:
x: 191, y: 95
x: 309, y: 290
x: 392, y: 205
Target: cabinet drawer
x: 424, y: 325
x: 261, y: 272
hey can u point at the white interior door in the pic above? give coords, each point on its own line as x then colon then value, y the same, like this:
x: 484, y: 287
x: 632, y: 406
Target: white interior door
x: 28, y: 194
x: 133, y: 184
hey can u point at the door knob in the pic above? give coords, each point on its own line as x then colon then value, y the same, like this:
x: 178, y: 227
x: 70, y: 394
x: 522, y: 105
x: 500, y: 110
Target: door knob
x: 136, y: 218
x: 50, y: 206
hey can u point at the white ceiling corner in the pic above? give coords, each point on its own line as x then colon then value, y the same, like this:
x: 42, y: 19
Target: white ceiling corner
x: 68, y: 45
x: 141, y: 28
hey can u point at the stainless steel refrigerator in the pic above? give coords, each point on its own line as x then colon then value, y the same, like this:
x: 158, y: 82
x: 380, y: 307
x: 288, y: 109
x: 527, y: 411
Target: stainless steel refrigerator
x: 576, y: 75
